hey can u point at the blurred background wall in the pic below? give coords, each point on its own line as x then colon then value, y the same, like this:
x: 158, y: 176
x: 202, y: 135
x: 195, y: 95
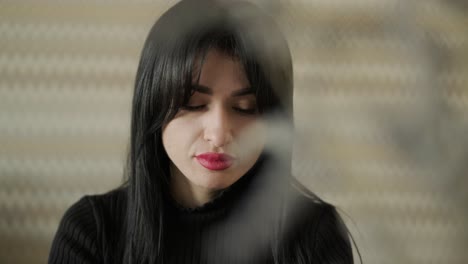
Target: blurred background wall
x: 381, y: 102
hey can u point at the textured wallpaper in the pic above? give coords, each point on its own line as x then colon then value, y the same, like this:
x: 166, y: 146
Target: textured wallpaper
x: 381, y: 113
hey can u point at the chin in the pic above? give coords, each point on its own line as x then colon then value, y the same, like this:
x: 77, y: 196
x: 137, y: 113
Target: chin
x: 217, y: 182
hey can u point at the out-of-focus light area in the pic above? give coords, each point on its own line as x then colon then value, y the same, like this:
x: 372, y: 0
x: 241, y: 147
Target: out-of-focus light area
x: 381, y: 115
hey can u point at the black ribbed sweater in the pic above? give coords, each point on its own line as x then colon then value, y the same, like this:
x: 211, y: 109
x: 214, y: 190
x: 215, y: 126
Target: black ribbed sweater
x: 90, y: 228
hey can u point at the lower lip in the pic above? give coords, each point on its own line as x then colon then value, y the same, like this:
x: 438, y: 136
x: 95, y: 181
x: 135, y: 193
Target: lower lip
x: 215, y: 164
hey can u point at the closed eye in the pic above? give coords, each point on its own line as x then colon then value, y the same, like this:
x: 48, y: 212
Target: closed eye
x: 251, y: 111
x: 193, y: 108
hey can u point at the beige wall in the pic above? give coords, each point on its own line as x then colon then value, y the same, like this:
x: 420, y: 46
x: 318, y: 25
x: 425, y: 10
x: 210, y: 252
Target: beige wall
x: 381, y: 105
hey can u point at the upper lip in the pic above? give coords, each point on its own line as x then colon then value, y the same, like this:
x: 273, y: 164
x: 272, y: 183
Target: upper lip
x: 215, y: 156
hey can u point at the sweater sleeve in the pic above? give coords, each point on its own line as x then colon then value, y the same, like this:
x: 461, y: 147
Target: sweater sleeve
x: 76, y: 237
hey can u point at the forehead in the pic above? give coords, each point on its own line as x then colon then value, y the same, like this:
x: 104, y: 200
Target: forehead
x: 222, y: 73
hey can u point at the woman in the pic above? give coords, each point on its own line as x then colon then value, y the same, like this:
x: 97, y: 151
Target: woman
x: 208, y: 181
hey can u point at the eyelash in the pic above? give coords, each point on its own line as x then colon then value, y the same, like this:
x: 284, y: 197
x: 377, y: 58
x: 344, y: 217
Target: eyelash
x: 200, y: 107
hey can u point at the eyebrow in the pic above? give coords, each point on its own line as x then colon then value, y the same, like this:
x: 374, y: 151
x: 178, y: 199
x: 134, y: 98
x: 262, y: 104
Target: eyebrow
x: 207, y: 90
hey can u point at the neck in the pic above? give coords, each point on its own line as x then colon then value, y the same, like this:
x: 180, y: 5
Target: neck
x: 187, y: 194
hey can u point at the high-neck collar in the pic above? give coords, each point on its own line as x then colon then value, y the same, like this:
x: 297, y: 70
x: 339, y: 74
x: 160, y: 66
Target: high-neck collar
x: 223, y: 200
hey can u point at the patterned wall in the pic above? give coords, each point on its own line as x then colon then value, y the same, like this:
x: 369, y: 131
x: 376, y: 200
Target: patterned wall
x: 381, y: 106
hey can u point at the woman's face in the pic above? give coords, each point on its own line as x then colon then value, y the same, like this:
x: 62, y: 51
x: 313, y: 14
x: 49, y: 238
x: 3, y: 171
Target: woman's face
x: 218, y: 136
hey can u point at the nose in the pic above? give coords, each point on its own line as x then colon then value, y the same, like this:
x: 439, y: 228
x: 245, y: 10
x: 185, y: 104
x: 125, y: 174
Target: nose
x: 218, y: 127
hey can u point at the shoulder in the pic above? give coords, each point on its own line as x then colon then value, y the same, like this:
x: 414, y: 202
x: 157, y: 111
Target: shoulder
x: 110, y: 203
x: 315, y: 229
x: 304, y: 206
x: 76, y: 236
x: 83, y: 227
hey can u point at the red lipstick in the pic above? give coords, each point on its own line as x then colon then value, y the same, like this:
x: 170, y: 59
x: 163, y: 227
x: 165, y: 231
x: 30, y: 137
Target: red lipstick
x: 215, y: 161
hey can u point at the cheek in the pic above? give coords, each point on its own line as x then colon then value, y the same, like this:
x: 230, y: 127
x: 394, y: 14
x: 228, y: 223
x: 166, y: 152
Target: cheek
x: 177, y: 136
x: 252, y: 139
x: 173, y: 139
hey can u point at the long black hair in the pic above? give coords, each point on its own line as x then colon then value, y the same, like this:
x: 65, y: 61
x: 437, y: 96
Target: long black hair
x: 180, y: 39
